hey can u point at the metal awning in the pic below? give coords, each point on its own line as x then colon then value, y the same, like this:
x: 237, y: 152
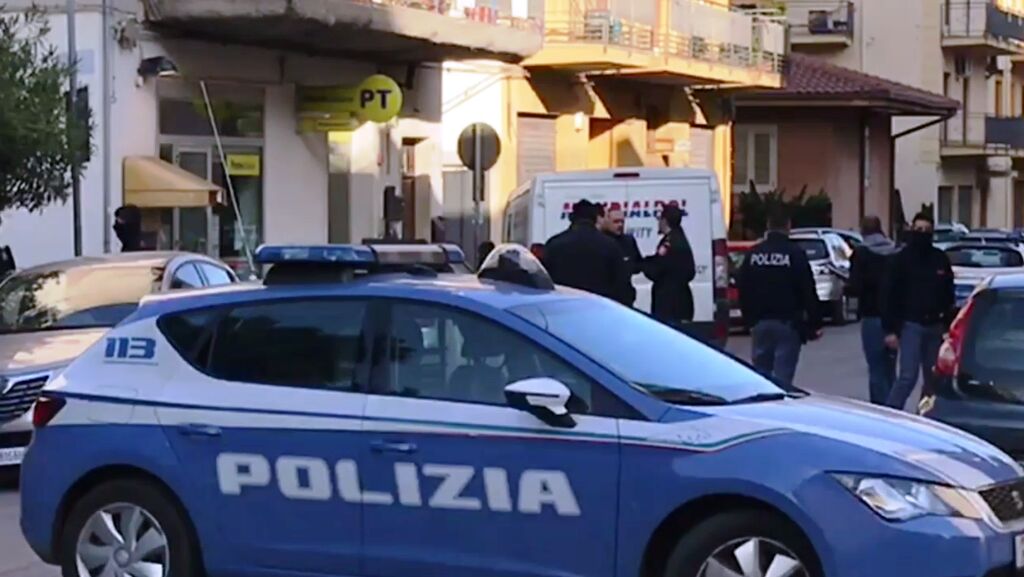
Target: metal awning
x: 150, y: 182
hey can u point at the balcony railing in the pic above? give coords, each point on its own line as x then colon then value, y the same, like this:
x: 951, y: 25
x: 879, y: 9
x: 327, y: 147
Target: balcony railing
x: 965, y: 20
x: 820, y: 21
x: 483, y: 14
x: 759, y: 46
x: 984, y: 132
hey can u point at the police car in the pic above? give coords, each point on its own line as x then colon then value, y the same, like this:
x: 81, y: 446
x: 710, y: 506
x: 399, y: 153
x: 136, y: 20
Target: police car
x: 362, y: 413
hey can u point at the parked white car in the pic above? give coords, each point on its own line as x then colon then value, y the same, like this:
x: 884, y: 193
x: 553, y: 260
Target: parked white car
x: 973, y: 262
x: 830, y: 258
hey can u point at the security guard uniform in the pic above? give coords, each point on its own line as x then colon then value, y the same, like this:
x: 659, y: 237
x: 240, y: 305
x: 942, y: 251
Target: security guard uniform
x: 779, y: 303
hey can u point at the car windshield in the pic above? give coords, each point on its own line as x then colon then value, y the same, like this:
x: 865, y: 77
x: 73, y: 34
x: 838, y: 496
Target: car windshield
x: 652, y: 356
x: 814, y: 248
x: 984, y: 257
x: 83, y: 297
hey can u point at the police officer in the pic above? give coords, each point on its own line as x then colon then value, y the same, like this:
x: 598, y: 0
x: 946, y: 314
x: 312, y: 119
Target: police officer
x: 582, y: 257
x: 779, y: 301
x: 613, y: 224
x: 671, y: 269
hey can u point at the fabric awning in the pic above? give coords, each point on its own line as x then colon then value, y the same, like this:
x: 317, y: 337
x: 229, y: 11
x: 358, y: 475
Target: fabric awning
x: 150, y: 182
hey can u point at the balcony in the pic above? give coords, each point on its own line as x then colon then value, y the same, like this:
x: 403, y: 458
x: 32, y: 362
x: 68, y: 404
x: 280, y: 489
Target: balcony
x: 818, y: 24
x: 697, y: 44
x: 982, y: 135
x: 379, y: 30
x: 983, y: 25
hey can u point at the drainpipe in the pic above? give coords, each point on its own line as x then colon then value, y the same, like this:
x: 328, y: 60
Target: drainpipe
x: 892, y: 159
x: 107, y: 95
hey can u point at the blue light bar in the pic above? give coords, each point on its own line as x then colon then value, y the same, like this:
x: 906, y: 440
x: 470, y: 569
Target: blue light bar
x: 360, y: 254
x: 454, y: 253
x: 353, y: 254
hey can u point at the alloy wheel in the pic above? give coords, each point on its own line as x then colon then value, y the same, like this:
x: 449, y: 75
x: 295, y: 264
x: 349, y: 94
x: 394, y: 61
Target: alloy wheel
x: 753, y: 557
x: 122, y: 540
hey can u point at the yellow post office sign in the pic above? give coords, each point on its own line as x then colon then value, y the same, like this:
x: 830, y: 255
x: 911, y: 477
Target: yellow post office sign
x: 243, y: 164
x: 378, y: 98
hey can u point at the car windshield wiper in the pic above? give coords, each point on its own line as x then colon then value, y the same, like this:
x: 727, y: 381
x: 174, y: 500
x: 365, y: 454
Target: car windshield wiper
x: 682, y: 396
x: 767, y: 397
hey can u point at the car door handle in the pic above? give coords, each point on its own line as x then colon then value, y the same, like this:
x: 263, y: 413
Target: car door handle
x: 199, y: 430
x: 392, y: 447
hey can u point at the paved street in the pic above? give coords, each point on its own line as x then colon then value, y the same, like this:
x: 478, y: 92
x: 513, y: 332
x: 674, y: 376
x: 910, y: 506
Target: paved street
x: 833, y: 365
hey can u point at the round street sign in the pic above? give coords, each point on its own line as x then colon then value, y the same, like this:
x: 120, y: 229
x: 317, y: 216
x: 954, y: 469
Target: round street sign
x: 379, y: 98
x: 490, y: 146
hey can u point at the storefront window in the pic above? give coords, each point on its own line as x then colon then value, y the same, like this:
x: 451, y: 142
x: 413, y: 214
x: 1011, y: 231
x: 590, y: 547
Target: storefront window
x: 249, y: 192
x: 238, y: 111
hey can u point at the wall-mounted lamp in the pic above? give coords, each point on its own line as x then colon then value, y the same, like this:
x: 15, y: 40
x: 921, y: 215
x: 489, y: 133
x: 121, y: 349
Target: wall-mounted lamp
x: 579, y: 121
x: 159, y: 67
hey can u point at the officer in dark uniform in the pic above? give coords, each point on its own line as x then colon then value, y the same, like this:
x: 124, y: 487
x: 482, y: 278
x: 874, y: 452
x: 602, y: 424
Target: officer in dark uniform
x: 584, y: 258
x: 779, y: 301
x: 671, y: 270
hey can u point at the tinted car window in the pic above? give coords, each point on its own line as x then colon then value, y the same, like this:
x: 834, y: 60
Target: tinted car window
x: 813, y: 247
x: 186, y: 277
x: 442, y: 353
x: 644, y: 352
x: 985, y: 257
x: 309, y: 344
x: 215, y: 275
x: 99, y: 296
x: 992, y: 353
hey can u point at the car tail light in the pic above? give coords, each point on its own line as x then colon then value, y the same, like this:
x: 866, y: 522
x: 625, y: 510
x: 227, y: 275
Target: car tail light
x: 734, y: 294
x: 948, y: 363
x: 721, y: 255
x: 46, y: 408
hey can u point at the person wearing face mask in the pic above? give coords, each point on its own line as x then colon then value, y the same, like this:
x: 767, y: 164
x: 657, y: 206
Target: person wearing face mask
x: 917, y: 306
x: 128, y: 227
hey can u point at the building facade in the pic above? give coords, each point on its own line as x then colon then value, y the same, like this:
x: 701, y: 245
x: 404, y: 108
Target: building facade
x: 231, y: 124
x: 968, y: 50
x: 616, y: 83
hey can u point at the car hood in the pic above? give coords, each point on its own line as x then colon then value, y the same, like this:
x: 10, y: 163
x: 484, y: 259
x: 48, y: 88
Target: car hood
x: 939, y: 452
x: 21, y: 352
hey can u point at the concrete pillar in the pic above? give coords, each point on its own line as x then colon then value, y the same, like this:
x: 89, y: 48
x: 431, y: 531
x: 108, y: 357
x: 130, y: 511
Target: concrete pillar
x: 999, y: 209
x: 572, y: 133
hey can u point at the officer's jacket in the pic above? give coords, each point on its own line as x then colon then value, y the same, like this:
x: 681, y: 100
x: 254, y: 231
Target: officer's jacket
x: 775, y: 282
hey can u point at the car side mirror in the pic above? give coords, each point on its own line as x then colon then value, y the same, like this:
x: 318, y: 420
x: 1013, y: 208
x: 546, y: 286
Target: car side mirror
x: 547, y: 399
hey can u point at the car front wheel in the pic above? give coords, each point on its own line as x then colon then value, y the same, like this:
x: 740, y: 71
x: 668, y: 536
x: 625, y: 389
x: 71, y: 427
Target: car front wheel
x: 127, y: 529
x: 742, y: 544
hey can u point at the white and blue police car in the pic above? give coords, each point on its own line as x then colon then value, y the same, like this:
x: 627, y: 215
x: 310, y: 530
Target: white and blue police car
x: 362, y: 412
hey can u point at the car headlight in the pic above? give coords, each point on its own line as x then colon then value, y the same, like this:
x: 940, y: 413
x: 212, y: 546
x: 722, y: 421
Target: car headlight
x: 902, y: 500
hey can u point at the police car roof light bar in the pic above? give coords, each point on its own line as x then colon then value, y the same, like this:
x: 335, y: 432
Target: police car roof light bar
x: 340, y: 262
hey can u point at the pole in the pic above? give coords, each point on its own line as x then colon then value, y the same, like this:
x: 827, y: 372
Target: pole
x: 478, y: 189
x: 108, y: 77
x: 76, y: 185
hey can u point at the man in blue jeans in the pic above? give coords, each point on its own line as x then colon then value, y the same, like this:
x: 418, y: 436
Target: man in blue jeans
x: 779, y: 302
x: 866, y: 274
x: 917, y: 306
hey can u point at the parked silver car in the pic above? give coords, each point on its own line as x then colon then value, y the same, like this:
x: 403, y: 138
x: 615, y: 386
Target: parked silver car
x: 50, y: 314
x: 829, y: 256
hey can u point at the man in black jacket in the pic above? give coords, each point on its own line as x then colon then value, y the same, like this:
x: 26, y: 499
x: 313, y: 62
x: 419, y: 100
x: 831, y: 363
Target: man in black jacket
x: 671, y: 269
x: 779, y: 302
x: 584, y: 258
x: 866, y: 274
x: 917, y: 306
x: 128, y: 227
x: 613, y: 224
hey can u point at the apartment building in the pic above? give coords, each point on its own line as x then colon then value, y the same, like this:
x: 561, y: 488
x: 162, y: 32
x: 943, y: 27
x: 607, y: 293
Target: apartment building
x: 965, y: 166
x: 616, y: 83
x: 236, y: 123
